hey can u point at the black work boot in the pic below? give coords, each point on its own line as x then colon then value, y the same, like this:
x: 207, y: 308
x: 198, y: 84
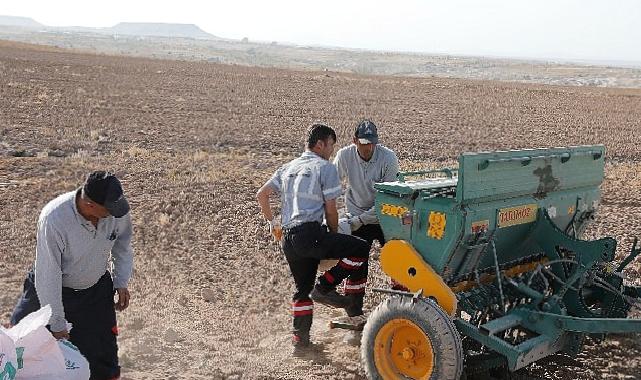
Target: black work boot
x: 300, y: 339
x: 301, y: 344
x: 329, y: 297
x: 302, y: 325
x: 356, y: 318
x: 355, y: 307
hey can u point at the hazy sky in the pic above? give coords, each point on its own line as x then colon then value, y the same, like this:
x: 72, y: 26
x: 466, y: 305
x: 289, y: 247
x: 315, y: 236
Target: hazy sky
x: 567, y: 29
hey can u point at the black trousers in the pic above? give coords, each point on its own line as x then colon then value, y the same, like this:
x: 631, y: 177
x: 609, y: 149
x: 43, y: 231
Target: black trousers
x: 370, y: 232
x: 304, y: 246
x: 92, y: 313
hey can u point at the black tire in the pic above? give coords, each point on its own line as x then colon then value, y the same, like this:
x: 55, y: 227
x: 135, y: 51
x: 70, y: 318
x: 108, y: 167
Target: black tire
x: 434, y: 323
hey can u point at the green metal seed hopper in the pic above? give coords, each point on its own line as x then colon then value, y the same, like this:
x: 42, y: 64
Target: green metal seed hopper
x: 493, y: 265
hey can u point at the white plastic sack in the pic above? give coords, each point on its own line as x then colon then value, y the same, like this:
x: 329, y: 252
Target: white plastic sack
x: 8, y: 358
x: 40, y: 355
x: 76, y: 366
x: 37, y: 350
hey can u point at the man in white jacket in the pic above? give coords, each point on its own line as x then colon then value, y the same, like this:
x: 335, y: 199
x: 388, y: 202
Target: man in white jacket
x: 364, y: 163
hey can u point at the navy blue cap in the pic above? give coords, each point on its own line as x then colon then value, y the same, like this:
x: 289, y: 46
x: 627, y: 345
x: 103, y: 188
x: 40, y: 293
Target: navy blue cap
x: 105, y: 189
x: 366, y: 132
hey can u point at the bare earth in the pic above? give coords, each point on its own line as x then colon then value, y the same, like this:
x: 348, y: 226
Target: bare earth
x: 194, y: 141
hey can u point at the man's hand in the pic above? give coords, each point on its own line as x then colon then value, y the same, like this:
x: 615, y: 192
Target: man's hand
x: 123, y: 299
x: 276, y: 229
x: 355, y: 222
x: 64, y: 334
x: 331, y: 215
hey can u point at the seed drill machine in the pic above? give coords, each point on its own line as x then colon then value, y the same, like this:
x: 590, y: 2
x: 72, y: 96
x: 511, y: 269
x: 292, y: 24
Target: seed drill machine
x: 495, y: 272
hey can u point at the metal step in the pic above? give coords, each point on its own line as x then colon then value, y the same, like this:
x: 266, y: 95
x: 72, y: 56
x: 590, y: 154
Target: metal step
x: 348, y: 323
x: 345, y: 325
x: 500, y: 324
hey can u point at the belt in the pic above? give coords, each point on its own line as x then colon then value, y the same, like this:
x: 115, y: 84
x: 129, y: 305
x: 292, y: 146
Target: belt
x: 299, y: 227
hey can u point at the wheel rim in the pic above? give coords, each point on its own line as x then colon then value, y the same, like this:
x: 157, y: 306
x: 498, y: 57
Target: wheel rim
x: 402, y: 349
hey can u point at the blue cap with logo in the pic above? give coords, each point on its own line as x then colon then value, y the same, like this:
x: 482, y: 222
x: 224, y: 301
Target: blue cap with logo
x: 366, y: 132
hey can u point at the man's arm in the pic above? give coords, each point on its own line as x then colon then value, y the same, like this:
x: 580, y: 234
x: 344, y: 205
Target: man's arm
x: 391, y: 169
x: 262, y: 195
x: 368, y: 217
x: 265, y: 208
x: 331, y: 188
x: 122, y: 256
x: 339, y: 162
x: 331, y: 215
x: 389, y: 174
x: 263, y: 200
x: 48, y: 275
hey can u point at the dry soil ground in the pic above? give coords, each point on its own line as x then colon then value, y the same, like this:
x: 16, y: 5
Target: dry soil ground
x: 194, y: 141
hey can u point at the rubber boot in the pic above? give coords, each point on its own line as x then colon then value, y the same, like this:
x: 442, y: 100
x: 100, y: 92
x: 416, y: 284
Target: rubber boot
x: 355, y: 307
x: 302, y: 325
x: 300, y: 339
x: 329, y: 297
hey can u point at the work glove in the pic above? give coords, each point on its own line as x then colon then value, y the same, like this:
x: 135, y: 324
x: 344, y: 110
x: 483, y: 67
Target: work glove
x: 344, y: 227
x: 355, y: 222
x: 276, y: 229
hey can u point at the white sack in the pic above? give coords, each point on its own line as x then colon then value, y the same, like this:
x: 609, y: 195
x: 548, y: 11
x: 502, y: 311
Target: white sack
x: 76, y: 366
x: 8, y: 359
x: 40, y: 355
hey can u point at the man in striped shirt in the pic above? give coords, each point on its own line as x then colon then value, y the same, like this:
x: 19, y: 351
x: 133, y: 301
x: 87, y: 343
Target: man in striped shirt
x: 308, y: 188
x: 81, y: 234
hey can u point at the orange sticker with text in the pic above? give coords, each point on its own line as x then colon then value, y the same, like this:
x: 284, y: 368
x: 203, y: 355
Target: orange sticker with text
x: 513, y: 216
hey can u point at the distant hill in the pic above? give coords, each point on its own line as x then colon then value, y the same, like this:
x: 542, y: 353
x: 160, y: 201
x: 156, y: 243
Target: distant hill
x: 26, y: 22
x: 160, y: 30
x: 123, y: 28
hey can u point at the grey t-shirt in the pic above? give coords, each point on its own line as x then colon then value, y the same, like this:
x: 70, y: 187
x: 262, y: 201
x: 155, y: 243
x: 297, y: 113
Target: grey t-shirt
x: 361, y: 176
x: 71, y: 252
x: 304, y: 185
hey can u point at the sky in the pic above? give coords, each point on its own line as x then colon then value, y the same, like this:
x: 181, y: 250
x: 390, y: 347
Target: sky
x: 591, y: 30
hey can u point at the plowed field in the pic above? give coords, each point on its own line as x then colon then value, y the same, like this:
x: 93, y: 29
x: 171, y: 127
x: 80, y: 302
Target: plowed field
x: 194, y: 141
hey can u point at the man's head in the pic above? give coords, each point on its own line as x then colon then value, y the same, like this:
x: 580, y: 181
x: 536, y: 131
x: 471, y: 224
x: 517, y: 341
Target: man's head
x: 103, y: 195
x: 321, y: 140
x: 366, y: 138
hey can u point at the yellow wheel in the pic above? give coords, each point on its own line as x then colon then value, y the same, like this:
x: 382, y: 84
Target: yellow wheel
x: 411, y: 339
x: 401, y: 348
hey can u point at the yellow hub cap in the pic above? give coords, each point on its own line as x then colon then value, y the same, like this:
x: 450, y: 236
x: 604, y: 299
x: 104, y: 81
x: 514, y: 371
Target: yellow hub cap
x: 401, y: 349
x: 408, y: 353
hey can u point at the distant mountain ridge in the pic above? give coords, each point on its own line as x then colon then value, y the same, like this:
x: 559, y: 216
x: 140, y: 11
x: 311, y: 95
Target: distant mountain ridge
x: 156, y: 41
x: 27, y: 22
x: 143, y: 29
x: 160, y: 30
